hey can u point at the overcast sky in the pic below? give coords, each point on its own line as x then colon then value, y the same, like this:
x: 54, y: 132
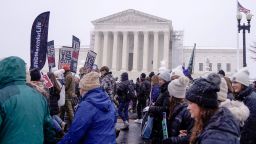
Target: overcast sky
x: 205, y: 22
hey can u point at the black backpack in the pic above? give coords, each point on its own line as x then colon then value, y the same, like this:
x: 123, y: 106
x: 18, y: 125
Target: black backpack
x: 126, y: 90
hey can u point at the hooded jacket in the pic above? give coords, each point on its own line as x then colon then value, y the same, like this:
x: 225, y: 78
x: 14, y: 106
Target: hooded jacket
x: 94, y: 121
x: 24, y: 113
x: 222, y: 128
x: 107, y: 83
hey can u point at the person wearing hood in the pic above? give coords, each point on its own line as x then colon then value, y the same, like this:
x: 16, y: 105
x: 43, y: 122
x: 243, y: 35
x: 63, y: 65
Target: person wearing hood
x: 95, y: 118
x: 162, y: 104
x: 107, y: 81
x: 180, y: 121
x: 123, y: 99
x: 244, y: 92
x: 24, y: 112
x: 213, y: 124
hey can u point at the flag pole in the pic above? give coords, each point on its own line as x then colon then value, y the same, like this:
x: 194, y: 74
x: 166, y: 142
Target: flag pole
x: 237, y: 43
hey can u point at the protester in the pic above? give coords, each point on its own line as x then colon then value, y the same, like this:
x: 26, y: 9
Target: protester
x: 155, y: 88
x: 162, y: 105
x: 24, y: 113
x: 69, y: 94
x: 179, y: 117
x: 54, y: 107
x: 142, y: 96
x: 244, y: 92
x: 123, y: 99
x: 95, y: 118
x: 213, y: 125
x: 107, y: 81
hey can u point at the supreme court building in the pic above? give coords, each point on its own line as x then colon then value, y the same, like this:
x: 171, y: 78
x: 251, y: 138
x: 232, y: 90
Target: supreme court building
x: 135, y: 42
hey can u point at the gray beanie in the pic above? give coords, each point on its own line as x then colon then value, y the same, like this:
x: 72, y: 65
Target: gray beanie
x: 177, y: 87
x: 165, y: 76
x: 242, y: 76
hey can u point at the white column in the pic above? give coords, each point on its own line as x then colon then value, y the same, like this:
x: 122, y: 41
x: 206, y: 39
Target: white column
x: 96, y: 47
x: 155, y: 56
x: 125, y: 52
x: 105, y: 49
x: 166, y: 48
x: 115, y: 43
x: 136, y: 51
x: 145, y: 52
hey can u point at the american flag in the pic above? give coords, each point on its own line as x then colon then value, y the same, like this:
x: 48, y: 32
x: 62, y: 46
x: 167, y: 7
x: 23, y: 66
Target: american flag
x: 240, y: 8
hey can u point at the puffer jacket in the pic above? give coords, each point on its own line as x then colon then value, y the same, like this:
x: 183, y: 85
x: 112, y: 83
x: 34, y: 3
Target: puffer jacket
x: 180, y: 120
x: 222, y: 128
x: 248, y: 132
x: 94, y: 121
x: 24, y: 113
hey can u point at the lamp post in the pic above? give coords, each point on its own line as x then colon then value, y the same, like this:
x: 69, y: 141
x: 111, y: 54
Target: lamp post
x: 244, y: 28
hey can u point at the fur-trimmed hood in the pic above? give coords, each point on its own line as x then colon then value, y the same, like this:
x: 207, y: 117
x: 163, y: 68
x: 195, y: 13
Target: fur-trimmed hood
x: 239, y: 110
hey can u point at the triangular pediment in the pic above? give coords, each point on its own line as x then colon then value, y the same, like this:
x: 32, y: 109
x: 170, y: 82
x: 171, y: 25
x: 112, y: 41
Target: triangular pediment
x: 130, y: 16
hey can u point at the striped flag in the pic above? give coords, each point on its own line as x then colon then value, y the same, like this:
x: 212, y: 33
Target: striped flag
x: 242, y: 9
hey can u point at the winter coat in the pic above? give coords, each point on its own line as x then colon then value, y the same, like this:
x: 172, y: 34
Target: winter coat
x: 248, y: 132
x: 155, y: 92
x: 222, y: 128
x: 69, y: 85
x: 107, y: 83
x: 24, y: 113
x: 54, y: 97
x: 162, y: 105
x: 144, y: 90
x: 180, y: 120
x: 94, y: 121
x: 122, y: 91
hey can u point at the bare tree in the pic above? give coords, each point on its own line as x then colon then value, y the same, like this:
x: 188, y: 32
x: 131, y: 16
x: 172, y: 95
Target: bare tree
x: 253, y: 51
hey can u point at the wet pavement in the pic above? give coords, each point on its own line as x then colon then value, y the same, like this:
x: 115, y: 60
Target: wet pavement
x: 131, y: 136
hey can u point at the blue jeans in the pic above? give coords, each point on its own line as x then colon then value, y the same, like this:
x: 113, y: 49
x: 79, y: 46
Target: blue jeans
x: 123, y: 110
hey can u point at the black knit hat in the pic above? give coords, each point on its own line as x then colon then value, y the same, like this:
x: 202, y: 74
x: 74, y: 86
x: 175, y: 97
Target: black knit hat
x: 124, y: 76
x: 143, y: 75
x: 204, y: 91
x: 151, y: 74
x: 35, y: 75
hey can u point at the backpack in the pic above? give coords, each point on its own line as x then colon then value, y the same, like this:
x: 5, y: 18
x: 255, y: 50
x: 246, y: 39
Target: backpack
x: 130, y: 91
x: 125, y: 90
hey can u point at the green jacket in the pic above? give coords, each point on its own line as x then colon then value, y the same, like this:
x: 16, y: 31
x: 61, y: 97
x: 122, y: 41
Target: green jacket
x: 24, y: 113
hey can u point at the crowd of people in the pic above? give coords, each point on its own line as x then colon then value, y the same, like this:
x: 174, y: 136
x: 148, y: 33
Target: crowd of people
x: 211, y: 109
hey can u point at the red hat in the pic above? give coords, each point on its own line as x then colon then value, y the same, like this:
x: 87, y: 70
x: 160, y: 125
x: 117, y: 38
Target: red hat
x: 66, y: 67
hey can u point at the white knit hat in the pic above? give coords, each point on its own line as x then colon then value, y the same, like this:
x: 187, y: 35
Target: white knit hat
x: 223, y: 93
x: 242, y: 76
x: 177, y: 87
x: 90, y: 81
x: 165, y: 76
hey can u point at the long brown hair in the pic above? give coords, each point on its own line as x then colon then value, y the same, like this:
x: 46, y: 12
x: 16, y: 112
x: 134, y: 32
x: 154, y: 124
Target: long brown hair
x: 200, y: 123
x: 173, y: 103
x: 54, y: 81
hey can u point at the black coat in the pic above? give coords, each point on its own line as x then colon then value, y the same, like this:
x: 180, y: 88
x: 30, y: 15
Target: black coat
x: 162, y: 105
x: 222, y: 128
x: 248, y: 132
x: 54, y: 97
x: 180, y: 120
